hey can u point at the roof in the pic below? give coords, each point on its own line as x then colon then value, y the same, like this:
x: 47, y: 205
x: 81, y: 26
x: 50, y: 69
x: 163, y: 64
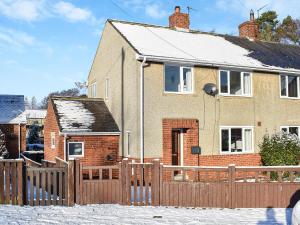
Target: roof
x: 83, y: 115
x: 164, y: 43
x: 11, y: 109
x: 35, y: 113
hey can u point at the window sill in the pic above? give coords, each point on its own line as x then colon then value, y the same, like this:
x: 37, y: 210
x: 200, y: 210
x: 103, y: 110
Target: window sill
x: 75, y: 157
x: 236, y: 153
x: 178, y: 93
x: 243, y: 96
x: 291, y: 98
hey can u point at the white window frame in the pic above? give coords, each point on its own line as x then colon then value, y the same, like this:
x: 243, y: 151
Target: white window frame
x: 181, y: 67
x: 93, y: 87
x: 242, y: 83
x: 75, y: 156
x: 106, y: 94
x: 287, y: 86
x: 229, y: 138
x: 52, y: 140
x: 287, y: 127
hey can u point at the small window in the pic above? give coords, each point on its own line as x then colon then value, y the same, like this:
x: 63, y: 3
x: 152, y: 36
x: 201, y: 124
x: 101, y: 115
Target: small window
x: 93, y: 90
x: 76, y: 149
x: 289, y: 86
x: 291, y: 129
x: 128, y: 143
x: 235, y: 83
x: 236, y: 139
x: 106, y: 88
x: 52, y: 140
x: 178, y: 79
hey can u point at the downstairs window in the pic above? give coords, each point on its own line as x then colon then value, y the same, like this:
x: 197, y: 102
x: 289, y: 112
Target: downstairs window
x: 236, y: 139
x: 76, y: 149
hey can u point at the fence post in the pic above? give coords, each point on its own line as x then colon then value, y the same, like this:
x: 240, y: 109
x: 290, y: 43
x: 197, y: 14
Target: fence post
x: 70, y: 183
x: 77, y: 181
x: 232, y: 192
x: 124, y: 181
x: 20, y: 182
x: 155, y: 176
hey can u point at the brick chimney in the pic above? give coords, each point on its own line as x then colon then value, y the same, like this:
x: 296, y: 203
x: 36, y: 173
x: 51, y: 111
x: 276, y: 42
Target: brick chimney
x: 249, y: 29
x: 179, y: 20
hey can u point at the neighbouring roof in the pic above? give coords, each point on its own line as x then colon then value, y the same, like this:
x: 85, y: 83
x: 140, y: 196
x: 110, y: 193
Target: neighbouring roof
x: 11, y: 109
x: 208, y: 48
x: 83, y: 115
x: 35, y: 113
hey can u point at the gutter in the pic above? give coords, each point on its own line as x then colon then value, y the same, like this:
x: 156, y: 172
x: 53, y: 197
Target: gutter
x: 142, y: 110
x: 213, y: 64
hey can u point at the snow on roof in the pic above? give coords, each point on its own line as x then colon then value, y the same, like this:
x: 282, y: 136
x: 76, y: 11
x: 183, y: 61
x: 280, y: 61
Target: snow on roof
x: 163, y: 42
x: 73, y: 116
x: 35, y: 113
x: 11, y: 109
x: 83, y: 115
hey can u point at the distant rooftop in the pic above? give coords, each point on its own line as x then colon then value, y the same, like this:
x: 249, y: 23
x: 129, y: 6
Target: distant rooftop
x: 11, y: 109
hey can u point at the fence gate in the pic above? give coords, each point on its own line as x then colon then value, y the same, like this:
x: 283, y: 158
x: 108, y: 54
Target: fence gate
x: 47, y: 185
x: 11, y: 181
x: 97, y: 184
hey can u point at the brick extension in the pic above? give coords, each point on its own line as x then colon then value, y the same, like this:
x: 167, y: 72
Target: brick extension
x: 96, y: 148
x: 11, y: 132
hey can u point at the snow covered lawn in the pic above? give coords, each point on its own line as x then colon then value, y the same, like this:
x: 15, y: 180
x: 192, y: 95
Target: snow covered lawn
x: 116, y: 214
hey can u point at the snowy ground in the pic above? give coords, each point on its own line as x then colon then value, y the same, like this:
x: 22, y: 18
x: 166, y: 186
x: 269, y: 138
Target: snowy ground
x: 116, y: 214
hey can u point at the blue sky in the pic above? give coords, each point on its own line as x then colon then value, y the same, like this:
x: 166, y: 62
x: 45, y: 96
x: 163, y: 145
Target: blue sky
x: 47, y: 45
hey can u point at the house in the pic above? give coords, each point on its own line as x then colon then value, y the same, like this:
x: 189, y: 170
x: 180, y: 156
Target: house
x: 36, y: 118
x: 172, y: 90
x: 13, y: 123
x: 80, y: 128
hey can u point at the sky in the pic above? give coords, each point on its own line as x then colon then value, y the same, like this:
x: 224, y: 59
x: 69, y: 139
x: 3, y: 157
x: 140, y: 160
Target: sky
x: 48, y: 45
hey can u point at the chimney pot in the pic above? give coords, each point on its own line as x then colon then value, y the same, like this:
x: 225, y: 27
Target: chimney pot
x: 177, y: 9
x: 252, y: 15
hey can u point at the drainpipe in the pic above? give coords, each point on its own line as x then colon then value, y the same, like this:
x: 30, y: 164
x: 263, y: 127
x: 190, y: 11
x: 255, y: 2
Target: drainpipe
x: 19, y: 140
x: 65, y: 146
x: 142, y: 109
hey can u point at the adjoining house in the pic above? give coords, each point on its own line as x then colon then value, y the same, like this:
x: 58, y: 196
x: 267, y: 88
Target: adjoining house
x: 173, y: 89
x: 13, y: 123
x: 81, y: 128
x: 36, y: 118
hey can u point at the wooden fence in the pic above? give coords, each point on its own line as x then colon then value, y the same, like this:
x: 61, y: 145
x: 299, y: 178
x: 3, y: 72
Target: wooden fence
x: 11, y: 182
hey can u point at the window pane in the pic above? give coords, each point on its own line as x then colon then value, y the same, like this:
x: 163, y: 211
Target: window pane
x: 236, y: 140
x: 172, y: 78
x: 247, y: 83
x: 225, y: 140
x: 235, y: 83
x: 75, y: 149
x: 248, y: 140
x: 292, y: 86
x: 187, y: 79
x: 283, y: 85
x: 284, y: 129
x: 224, y: 82
x: 293, y: 130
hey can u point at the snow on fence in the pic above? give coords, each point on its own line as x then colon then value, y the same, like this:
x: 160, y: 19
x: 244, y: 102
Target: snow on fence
x: 11, y: 181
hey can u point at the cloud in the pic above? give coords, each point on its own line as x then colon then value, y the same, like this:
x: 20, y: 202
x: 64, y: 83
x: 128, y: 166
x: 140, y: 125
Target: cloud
x: 243, y: 7
x: 25, y: 10
x: 72, y: 13
x: 155, y: 11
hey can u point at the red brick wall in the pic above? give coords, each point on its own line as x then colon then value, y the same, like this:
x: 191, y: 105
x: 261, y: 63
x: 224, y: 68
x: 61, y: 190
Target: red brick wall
x: 11, y: 132
x: 52, y: 126
x: 190, y: 139
x: 96, y: 148
x: 249, y: 29
x: 237, y: 159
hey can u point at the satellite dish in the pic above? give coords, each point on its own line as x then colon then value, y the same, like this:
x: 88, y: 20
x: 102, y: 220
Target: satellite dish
x: 210, y: 89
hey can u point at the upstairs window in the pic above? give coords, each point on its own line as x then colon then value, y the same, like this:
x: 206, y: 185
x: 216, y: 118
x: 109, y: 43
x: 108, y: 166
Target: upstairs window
x: 289, y: 86
x: 235, y: 83
x: 178, y: 79
x: 52, y: 134
x: 291, y: 129
x: 236, y: 139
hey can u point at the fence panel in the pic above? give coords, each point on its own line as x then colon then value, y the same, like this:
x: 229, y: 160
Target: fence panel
x: 11, y: 182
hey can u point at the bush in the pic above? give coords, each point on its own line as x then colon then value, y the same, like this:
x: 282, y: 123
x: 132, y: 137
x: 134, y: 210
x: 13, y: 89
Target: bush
x: 280, y: 149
